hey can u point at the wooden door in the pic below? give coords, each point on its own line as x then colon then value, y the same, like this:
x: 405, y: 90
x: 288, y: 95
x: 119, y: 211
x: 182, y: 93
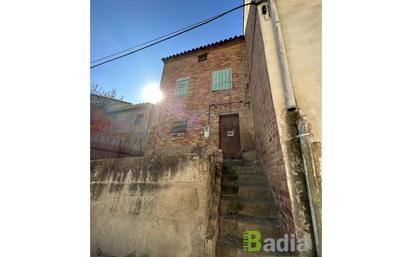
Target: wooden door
x: 229, y: 136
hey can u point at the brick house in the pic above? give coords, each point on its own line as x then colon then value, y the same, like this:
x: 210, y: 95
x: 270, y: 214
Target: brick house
x: 235, y: 95
x: 205, y: 105
x: 118, y: 128
x: 270, y: 79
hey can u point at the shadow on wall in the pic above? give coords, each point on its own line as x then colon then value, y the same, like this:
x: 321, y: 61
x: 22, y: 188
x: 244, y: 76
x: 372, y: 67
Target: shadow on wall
x: 154, y: 206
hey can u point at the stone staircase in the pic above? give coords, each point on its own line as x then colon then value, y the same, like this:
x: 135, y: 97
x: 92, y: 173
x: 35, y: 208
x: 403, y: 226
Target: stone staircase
x: 246, y: 204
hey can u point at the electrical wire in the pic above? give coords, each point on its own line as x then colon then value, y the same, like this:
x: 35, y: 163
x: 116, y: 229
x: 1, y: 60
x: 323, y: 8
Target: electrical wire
x: 145, y: 43
x: 169, y: 36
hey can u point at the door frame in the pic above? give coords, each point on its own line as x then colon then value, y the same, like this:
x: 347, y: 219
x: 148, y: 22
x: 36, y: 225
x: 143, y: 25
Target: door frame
x: 223, y: 114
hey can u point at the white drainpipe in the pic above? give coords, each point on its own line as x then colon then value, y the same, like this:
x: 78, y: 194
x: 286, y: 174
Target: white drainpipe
x: 283, y: 60
x: 309, y: 167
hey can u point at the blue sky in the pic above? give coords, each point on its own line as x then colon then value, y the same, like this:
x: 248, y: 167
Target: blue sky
x: 120, y: 24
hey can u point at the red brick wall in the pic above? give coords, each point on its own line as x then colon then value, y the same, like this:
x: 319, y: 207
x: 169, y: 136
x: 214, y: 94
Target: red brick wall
x: 195, y: 106
x: 268, y: 148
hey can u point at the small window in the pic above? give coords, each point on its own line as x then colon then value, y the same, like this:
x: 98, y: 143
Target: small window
x: 179, y: 126
x: 222, y: 79
x: 182, y: 86
x: 139, y: 119
x: 202, y: 58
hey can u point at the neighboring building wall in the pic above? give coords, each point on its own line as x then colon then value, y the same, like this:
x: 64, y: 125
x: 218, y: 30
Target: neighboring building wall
x: 301, y: 23
x: 278, y: 144
x: 200, y: 99
x: 108, y: 103
x: 119, y: 132
x: 150, y: 207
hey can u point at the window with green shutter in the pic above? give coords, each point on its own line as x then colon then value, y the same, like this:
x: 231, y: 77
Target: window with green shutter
x: 222, y: 79
x: 182, y: 86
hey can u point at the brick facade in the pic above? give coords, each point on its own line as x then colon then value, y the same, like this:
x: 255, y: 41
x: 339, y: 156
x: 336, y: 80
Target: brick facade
x: 202, y: 106
x: 268, y: 148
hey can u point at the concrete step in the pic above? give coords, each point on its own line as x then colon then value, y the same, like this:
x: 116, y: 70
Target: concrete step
x: 238, y: 162
x: 254, y: 191
x: 229, y: 183
x: 248, y: 180
x: 230, y: 191
x: 251, y: 177
x: 250, y: 169
x: 244, y: 206
x: 233, y: 247
x: 234, y: 226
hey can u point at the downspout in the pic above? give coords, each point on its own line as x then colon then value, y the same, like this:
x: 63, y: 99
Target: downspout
x: 310, y: 170
x: 289, y: 93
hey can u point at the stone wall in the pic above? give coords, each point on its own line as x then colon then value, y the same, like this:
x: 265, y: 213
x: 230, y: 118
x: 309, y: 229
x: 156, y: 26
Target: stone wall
x: 202, y: 106
x: 152, y: 207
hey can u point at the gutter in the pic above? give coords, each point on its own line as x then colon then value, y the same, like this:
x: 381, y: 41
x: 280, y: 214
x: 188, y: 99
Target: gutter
x: 289, y: 94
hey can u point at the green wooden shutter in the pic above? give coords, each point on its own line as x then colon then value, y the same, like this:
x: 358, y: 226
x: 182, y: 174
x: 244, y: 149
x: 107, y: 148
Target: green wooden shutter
x: 182, y: 86
x: 222, y: 79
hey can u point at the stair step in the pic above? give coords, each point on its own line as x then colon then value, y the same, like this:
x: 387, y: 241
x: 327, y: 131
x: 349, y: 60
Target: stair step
x: 245, y: 170
x: 237, y: 162
x: 230, y: 183
x: 251, y: 191
x: 233, y: 247
x: 244, y: 206
x: 230, y: 190
x: 234, y: 183
x: 253, y: 182
x: 235, y: 225
x: 234, y: 194
x: 251, y: 177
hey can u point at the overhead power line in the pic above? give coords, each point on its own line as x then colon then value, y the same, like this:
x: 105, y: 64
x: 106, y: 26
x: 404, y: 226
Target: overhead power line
x: 145, y: 43
x: 168, y: 36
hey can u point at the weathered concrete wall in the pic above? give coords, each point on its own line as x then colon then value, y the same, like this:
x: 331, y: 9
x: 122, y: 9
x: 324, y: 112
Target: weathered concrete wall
x: 153, y: 207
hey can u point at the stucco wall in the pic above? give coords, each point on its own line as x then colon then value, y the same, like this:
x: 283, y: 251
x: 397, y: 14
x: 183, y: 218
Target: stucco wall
x: 153, y: 207
x: 301, y: 22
